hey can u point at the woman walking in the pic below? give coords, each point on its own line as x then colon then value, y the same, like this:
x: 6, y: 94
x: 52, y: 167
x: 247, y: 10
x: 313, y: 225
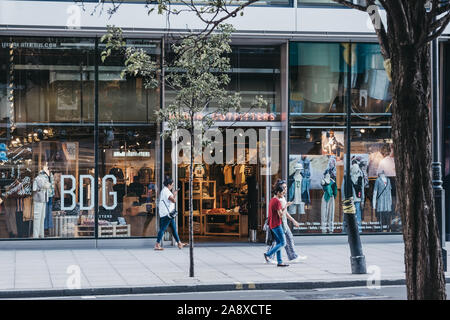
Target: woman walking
x: 275, y: 214
x: 290, y: 243
x: 167, y: 201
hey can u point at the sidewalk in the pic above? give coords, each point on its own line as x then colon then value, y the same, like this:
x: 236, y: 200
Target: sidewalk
x: 123, y: 271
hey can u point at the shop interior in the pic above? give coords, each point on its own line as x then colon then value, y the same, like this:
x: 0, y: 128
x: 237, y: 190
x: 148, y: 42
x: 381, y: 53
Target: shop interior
x: 228, y: 199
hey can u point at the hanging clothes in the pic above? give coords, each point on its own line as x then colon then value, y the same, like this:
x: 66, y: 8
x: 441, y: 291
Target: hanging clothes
x: 239, y: 172
x: 227, y: 172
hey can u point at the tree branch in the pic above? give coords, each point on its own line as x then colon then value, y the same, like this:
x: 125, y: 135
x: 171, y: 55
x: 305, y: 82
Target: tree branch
x: 352, y: 5
x: 440, y: 24
x: 380, y: 30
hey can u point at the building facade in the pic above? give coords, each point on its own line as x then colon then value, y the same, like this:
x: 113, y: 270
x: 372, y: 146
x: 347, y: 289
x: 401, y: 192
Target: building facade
x: 67, y: 113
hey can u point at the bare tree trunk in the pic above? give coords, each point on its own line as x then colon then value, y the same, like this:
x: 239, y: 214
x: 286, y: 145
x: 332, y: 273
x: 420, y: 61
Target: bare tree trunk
x: 191, y: 208
x: 412, y: 146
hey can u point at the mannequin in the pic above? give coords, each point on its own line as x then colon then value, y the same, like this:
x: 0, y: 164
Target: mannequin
x: 357, y: 181
x: 296, y: 191
x: 382, y: 199
x: 48, y: 222
x: 331, y: 169
x: 41, y: 191
x: 306, y: 182
x: 328, y: 203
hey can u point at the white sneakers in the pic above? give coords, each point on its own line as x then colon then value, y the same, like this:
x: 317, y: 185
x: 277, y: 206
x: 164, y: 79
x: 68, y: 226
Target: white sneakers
x: 298, y: 259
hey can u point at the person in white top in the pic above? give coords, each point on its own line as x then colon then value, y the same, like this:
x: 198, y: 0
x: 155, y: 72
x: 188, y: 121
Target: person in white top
x: 167, y: 201
x: 290, y: 245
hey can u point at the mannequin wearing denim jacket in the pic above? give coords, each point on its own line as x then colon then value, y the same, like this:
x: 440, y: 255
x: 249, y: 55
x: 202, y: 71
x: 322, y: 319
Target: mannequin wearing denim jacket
x: 41, y: 191
x: 306, y: 181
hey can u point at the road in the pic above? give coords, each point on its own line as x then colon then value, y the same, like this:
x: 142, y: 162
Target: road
x: 353, y: 293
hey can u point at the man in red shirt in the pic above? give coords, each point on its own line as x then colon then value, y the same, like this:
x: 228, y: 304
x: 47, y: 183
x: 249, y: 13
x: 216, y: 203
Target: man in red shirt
x: 275, y: 224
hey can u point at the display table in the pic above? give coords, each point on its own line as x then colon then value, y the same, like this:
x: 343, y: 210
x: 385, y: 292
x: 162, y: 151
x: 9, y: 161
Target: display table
x: 104, y: 231
x: 224, y: 224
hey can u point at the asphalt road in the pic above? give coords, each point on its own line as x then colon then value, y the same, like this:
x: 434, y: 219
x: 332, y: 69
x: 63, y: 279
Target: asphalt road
x: 353, y: 293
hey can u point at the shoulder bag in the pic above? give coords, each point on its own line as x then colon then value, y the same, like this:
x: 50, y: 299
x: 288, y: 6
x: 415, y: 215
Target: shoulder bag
x: 173, y: 213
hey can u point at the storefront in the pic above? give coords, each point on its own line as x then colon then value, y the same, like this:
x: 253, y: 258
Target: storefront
x: 65, y: 112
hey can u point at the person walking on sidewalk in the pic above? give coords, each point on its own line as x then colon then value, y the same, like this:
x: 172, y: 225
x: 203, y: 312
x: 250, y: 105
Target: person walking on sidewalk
x: 166, y: 205
x: 275, y: 224
x: 290, y: 243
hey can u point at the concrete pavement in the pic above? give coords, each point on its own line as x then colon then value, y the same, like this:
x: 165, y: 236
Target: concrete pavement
x: 229, y: 267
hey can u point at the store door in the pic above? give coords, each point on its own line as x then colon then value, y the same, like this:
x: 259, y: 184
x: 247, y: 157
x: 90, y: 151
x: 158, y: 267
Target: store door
x: 229, y: 197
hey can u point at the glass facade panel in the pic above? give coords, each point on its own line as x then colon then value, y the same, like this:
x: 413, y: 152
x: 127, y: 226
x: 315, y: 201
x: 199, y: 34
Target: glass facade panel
x: 128, y: 148
x: 320, y: 75
x: 47, y: 150
x: 126, y: 100
x: 129, y: 167
x: 255, y: 71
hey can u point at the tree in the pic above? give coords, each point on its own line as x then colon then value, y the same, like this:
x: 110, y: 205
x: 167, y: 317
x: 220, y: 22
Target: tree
x: 211, y: 13
x: 198, y: 75
x: 405, y: 47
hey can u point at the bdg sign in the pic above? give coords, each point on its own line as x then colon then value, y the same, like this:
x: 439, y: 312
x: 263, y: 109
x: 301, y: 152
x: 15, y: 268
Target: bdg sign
x: 83, y: 206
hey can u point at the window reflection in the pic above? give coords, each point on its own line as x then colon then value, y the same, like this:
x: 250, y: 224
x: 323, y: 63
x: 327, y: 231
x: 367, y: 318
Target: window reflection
x: 317, y: 157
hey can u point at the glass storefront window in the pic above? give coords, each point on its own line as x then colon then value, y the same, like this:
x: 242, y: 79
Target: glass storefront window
x: 127, y: 100
x: 129, y: 167
x: 128, y: 152
x: 255, y: 71
x: 46, y: 152
x: 319, y: 74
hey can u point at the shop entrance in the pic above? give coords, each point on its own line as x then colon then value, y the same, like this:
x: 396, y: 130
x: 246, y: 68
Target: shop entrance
x: 229, y: 196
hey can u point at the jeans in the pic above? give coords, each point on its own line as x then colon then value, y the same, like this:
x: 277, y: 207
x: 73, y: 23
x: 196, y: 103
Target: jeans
x: 39, y: 217
x: 358, y: 215
x: 48, y: 222
x: 290, y: 245
x: 164, y: 222
x: 280, y: 239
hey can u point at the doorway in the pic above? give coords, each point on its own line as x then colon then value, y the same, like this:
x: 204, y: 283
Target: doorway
x: 229, y: 195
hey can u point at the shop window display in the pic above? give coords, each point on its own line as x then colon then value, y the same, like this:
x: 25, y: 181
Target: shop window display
x: 45, y: 91
x: 317, y: 148
x: 128, y: 162
x: 229, y: 196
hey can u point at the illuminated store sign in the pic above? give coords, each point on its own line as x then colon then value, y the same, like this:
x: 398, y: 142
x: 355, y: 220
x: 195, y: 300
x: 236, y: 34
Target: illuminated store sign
x: 144, y: 154
x: 236, y: 116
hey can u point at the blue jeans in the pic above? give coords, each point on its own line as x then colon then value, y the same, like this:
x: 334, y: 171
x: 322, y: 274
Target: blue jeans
x: 164, y: 222
x: 358, y: 215
x: 48, y: 222
x: 280, y: 239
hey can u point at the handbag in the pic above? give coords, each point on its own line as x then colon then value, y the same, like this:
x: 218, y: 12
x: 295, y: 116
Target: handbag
x: 173, y: 213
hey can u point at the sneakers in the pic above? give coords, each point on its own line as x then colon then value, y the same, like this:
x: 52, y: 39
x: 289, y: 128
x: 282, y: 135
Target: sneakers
x: 282, y: 265
x: 298, y: 259
x: 269, y: 260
